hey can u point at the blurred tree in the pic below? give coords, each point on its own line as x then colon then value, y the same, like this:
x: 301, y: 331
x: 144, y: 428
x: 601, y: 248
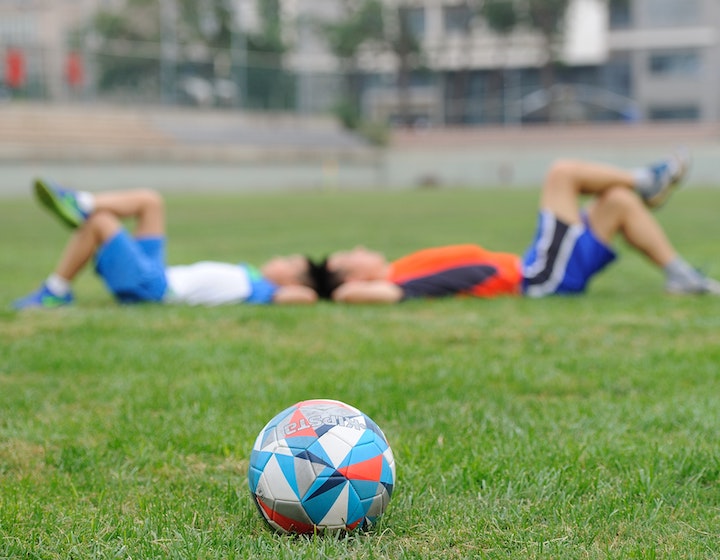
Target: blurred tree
x: 129, y: 47
x: 361, y: 24
x: 209, y: 22
x: 126, y: 46
x: 365, y: 23
x: 404, y: 42
x: 269, y: 84
x: 548, y: 17
x: 502, y: 17
x: 259, y: 58
x: 458, y: 21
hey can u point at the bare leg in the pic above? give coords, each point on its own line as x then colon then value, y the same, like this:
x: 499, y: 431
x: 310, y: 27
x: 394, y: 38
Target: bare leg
x: 145, y: 205
x: 619, y: 210
x: 84, y: 242
x: 94, y: 225
x: 568, y: 180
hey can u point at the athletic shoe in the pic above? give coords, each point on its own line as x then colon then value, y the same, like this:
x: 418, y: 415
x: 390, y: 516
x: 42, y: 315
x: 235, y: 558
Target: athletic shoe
x: 42, y: 299
x: 702, y: 286
x: 667, y: 175
x: 61, y: 201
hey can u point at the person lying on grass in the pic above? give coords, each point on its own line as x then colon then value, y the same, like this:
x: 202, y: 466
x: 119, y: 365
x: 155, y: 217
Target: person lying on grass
x: 133, y: 266
x: 571, y: 244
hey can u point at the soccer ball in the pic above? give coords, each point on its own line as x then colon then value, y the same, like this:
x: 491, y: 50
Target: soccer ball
x: 321, y: 465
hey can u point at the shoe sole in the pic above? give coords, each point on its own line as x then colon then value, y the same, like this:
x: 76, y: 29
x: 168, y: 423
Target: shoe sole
x: 49, y: 199
x: 709, y: 289
x: 661, y: 198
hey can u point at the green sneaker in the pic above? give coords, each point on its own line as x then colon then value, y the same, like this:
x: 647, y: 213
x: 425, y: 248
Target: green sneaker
x: 60, y: 201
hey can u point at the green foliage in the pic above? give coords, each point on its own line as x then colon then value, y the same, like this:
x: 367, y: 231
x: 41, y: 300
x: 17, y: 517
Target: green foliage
x: 501, y: 15
x: 129, y: 53
x: 363, y: 22
x: 374, y: 132
x: 208, y: 21
x: 547, y: 16
x: 574, y: 428
x: 269, y: 87
x: 400, y: 37
x: 348, y: 114
x: 212, y: 23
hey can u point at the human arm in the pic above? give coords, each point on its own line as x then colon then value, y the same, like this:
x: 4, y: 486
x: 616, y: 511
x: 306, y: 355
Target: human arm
x: 375, y: 291
x: 294, y: 294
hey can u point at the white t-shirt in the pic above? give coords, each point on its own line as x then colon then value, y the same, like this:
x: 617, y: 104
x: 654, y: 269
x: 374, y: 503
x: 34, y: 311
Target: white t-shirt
x: 207, y: 283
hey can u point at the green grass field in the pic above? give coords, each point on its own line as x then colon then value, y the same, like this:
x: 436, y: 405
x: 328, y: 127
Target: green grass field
x: 560, y: 428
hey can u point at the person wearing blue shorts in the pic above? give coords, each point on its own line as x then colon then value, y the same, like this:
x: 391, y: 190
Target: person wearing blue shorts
x: 571, y: 244
x: 133, y: 266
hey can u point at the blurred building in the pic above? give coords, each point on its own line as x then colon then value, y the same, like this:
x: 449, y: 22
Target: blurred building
x: 666, y: 55
x: 621, y: 60
x: 40, y: 30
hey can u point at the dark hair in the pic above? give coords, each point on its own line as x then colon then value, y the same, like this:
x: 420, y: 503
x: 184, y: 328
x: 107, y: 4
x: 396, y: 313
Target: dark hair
x: 323, y: 281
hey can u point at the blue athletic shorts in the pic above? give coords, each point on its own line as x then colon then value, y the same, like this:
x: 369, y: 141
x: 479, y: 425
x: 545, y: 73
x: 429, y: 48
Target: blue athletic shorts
x: 562, y: 257
x: 133, y: 269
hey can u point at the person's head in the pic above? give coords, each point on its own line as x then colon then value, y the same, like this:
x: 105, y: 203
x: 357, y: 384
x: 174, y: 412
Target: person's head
x: 324, y: 282
x: 357, y: 264
x: 291, y: 270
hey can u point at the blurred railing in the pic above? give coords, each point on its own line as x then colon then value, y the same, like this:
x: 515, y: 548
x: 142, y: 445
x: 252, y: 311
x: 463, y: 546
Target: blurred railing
x: 139, y: 75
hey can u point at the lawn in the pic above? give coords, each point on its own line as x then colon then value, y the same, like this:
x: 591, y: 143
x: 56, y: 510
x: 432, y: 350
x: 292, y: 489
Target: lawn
x: 559, y: 428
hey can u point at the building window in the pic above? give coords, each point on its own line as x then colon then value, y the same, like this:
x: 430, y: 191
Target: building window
x: 673, y: 13
x: 457, y: 19
x: 617, y: 73
x: 414, y: 19
x: 681, y: 63
x: 677, y: 113
x: 620, y: 14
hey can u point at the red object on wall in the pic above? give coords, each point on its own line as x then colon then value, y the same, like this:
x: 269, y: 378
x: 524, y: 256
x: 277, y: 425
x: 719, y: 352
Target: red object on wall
x: 14, y: 68
x: 74, y: 70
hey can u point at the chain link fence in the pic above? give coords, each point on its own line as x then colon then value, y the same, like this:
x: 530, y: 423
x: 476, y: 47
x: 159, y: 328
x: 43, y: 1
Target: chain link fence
x: 146, y: 74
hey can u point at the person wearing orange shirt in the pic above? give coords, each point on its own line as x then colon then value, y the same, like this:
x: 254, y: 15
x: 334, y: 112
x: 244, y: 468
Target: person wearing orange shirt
x: 571, y: 244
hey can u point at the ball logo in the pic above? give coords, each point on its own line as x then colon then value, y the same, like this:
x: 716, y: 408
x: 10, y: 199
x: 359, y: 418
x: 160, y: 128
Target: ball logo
x: 315, y: 421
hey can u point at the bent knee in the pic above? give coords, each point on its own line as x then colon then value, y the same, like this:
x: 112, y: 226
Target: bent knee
x: 151, y: 198
x: 620, y: 197
x: 102, y: 224
x: 100, y: 218
x: 560, y: 170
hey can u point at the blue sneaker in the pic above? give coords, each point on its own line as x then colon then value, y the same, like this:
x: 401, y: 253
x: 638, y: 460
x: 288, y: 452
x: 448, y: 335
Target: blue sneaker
x: 667, y: 175
x: 61, y: 201
x: 42, y: 298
